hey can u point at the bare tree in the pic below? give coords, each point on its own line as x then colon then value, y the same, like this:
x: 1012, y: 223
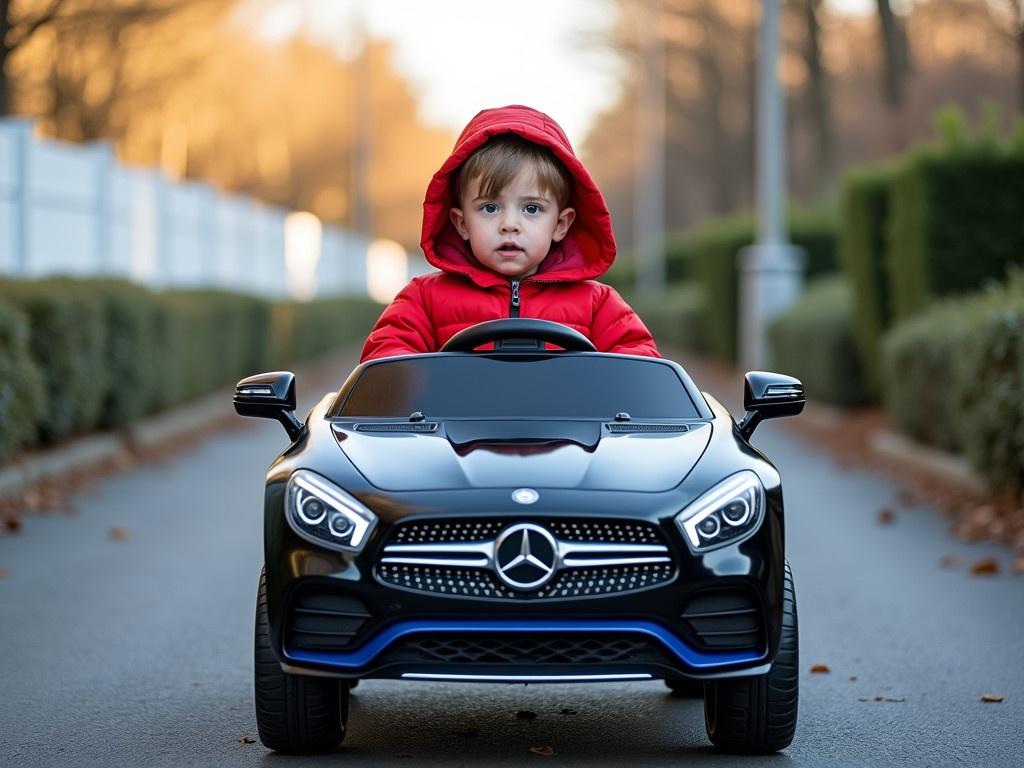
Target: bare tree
x: 15, y: 31
x: 896, y: 54
x: 818, y: 101
x: 1017, y: 13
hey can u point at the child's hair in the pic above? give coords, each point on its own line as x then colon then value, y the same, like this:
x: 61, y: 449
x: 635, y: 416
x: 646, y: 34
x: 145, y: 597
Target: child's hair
x: 498, y: 161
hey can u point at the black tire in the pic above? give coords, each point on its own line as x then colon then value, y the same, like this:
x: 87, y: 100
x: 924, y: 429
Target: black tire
x: 686, y: 689
x: 294, y: 713
x: 757, y: 715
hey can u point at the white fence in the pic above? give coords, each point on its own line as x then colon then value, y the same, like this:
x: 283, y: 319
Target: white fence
x: 74, y: 210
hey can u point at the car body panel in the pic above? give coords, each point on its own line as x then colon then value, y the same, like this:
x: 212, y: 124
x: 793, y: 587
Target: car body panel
x: 405, y: 478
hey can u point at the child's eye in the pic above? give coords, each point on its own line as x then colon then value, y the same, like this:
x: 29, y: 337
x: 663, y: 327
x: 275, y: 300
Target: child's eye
x: 532, y: 208
x: 489, y: 208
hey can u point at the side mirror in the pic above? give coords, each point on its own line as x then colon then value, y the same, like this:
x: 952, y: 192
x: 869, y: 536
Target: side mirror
x: 768, y: 396
x: 269, y: 396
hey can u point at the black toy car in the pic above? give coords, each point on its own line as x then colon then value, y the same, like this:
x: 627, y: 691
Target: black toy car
x: 523, y: 515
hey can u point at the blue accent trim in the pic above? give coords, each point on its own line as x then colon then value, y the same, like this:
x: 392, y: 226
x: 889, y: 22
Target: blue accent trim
x: 360, y: 657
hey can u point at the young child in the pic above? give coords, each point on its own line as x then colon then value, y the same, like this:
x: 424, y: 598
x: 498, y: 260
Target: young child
x: 518, y: 228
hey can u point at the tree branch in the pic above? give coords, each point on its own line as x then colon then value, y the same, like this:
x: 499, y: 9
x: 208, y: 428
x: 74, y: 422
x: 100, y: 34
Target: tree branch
x: 24, y: 30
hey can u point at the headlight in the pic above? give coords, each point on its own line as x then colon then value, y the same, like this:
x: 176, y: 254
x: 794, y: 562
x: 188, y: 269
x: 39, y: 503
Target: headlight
x: 727, y: 514
x: 321, y: 512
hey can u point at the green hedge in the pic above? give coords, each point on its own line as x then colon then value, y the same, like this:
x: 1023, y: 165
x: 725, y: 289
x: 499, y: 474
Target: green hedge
x: 814, y: 342
x: 102, y: 353
x: 22, y: 396
x: 957, y: 220
x: 716, y: 244
x: 677, y: 318
x: 954, y: 377
x: 679, y: 256
x: 66, y: 339
x: 864, y: 211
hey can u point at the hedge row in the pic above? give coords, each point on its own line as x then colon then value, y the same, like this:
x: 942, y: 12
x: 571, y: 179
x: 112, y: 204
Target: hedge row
x: 78, y: 355
x: 706, y: 257
x: 716, y: 245
x: 946, y: 220
x: 677, y: 318
x: 954, y: 377
x: 814, y: 342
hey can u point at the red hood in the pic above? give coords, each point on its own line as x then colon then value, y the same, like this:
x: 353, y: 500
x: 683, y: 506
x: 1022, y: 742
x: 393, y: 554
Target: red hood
x: 586, y: 252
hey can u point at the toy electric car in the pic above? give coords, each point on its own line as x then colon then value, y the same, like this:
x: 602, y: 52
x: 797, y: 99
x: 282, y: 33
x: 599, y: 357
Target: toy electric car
x: 523, y: 515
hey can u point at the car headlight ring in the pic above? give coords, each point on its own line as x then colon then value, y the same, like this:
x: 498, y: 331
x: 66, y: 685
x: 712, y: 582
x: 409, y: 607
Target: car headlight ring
x: 321, y: 512
x: 727, y: 514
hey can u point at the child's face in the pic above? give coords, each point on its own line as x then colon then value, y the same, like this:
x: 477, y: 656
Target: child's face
x: 512, y: 232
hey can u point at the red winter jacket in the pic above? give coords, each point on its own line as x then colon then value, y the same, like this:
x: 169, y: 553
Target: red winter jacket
x: 432, y: 308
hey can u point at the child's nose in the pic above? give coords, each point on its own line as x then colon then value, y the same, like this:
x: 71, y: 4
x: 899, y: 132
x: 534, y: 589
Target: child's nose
x: 510, y: 223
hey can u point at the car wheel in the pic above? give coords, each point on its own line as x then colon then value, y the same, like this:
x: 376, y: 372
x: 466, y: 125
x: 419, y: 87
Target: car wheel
x: 757, y: 715
x: 686, y: 689
x: 294, y: 713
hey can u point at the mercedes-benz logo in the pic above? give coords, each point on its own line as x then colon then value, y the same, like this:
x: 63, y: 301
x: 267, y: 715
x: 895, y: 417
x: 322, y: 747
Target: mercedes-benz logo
x: 525, y: 555
x: 525, y: 496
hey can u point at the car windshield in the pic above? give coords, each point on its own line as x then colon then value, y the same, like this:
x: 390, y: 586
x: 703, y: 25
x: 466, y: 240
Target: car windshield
x: 490, y: 387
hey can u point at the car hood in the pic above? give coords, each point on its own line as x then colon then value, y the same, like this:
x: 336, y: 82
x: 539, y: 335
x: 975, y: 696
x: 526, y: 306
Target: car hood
x: 583, y: 455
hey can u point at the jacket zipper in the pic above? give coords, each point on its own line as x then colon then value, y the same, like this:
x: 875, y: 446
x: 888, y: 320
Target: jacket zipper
x: 513, y: 306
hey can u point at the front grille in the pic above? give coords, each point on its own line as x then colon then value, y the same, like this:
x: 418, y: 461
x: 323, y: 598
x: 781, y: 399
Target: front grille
x: 465, y: 582
x: 725, y: 620
x: 324, y: 621
x: 455, y: 558
x: 531, y: 649
x: 602, y: 581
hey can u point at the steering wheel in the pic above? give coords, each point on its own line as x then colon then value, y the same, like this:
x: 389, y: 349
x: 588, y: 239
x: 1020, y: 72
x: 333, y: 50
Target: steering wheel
x: 518, y: 334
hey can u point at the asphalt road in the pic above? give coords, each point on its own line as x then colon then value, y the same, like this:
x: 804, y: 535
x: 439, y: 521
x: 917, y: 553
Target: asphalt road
x: 138, y: 651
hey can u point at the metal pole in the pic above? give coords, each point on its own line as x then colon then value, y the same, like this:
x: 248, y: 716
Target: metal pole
x: 649, y: 196
x: 771, y: 271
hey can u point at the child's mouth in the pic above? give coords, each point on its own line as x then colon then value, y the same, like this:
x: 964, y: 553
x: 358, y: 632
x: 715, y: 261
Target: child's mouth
x: 509, y: 250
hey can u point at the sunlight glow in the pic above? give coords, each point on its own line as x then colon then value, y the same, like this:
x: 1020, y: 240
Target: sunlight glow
x: 387, y: 269
x: 302, y: 236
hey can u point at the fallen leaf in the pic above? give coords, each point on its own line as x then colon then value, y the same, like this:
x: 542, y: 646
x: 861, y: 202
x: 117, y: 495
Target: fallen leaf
x: 3, y: 572
x: 525, y: 714
x: 853, y: 678
x: 567, y: 711
x: 820, y: 669
x: 543, y: 751
x: 119, y: 534
x: 466, y: 731
x: 879, y: 698
x: 987, y: 566
x: 885, y: 516
x: 992, y: 698
x: 1018, y: 565
x: 247, y: 740
x: 12, y: 524
x: 951, y: 561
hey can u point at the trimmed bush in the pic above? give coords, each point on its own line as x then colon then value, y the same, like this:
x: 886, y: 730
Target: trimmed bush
x: 102, y: 353
x: 21, y: 384
x: 957, y: 223
x: 954, y: 377
x: 67, y: 342
x: 717, y: 243
x: 864, y: 215
x: 814, y: 342
x: 679, y: 256
x: 677, y: 319
x: 990, y: 375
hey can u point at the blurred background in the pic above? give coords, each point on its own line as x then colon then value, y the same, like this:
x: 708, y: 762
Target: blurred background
x: 258, y: 166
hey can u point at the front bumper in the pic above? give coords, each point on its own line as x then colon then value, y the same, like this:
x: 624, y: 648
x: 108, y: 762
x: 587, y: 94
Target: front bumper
x: 667, y: 631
